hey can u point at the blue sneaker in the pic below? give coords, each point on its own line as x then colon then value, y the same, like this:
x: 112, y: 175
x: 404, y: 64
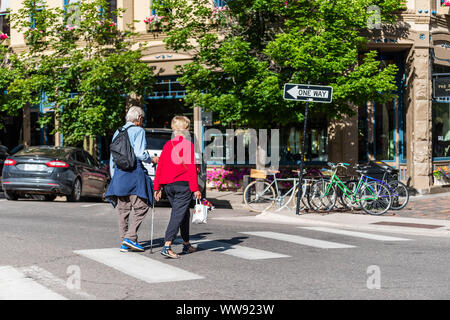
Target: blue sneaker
x: 124, y: 248
x: 132, y: 244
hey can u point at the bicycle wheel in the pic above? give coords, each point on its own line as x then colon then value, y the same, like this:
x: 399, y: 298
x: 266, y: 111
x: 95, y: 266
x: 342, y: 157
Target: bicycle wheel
x: 303, y: 200
x: 400, y: 194
x: 319, y: 198
x: 259, y: 196
x: 375, y: 198
x: 345, y: 200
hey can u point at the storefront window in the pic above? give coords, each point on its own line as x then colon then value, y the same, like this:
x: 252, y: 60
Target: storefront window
x: 441, y: 129
x: 4, y: 20
x: 384, y: 131
x: 238, y: 146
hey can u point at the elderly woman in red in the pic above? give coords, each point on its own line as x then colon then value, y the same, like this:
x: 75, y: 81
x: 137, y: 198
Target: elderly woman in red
x: 177, y: 173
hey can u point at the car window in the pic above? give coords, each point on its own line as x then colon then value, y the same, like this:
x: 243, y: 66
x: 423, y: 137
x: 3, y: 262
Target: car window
x: 46, y: 152
x: 156, y: 140
x: 79, y: 156
x: 90, y: 160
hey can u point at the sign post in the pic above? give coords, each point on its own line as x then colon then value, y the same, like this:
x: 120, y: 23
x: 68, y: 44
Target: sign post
x: 308, y: 93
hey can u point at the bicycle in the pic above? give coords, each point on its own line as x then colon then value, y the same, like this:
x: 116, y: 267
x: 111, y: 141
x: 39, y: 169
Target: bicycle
x: 399, y: 191
x: 260, y: 195
x: 373, y: 197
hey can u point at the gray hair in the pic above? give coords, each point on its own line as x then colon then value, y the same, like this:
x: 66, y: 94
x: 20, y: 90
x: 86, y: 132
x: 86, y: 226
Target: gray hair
x: 134, y: 113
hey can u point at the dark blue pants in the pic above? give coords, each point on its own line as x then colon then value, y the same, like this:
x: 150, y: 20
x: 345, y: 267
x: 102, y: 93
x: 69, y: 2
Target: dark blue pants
x: 180, y: 197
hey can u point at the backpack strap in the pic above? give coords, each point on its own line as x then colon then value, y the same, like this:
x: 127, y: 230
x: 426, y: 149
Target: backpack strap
x: 123, y: 128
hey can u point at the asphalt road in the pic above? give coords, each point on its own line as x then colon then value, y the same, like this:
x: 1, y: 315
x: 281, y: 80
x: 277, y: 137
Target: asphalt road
x: 71, y: 250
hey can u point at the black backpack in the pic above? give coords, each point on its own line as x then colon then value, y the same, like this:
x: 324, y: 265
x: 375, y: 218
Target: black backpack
x: 122, y: 152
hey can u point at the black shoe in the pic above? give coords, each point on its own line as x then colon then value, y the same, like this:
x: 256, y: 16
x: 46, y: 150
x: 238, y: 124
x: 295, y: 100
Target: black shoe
x: 187, y: 248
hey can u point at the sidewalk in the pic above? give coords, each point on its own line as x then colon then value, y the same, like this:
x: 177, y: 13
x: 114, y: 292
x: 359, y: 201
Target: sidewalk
x: 424, y: 215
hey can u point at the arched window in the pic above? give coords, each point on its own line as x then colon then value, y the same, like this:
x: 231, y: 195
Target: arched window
x: 4, y: 19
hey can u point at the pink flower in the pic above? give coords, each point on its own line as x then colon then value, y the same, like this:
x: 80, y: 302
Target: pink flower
x: 3, y: 36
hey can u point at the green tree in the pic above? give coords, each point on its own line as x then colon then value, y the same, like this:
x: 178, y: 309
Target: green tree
x: 83, y: 63
x: 7, y: 74
x: 245, y: 52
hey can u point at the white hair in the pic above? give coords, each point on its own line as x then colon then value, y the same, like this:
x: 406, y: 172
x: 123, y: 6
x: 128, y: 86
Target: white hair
x: 134, y: 113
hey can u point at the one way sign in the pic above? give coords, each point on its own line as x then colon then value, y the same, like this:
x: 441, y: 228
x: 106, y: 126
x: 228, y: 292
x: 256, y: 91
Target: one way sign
x: 306, y: 92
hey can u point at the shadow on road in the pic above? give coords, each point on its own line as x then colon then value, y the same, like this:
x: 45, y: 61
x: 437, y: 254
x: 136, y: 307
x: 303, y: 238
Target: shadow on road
x: 200, y: 240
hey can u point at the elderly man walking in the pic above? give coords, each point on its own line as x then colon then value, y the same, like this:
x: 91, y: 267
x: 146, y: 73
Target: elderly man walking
x: 132, y: 189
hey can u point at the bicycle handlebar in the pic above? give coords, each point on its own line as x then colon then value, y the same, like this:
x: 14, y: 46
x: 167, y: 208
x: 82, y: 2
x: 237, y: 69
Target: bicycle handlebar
x: 340, y: 164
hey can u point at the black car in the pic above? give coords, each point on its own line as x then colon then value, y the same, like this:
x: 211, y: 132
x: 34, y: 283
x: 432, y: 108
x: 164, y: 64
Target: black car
x: 4, y: 152
x: 53, y: 171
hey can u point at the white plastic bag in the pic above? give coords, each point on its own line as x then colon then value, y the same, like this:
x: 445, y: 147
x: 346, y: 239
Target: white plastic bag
x: 200, y: 213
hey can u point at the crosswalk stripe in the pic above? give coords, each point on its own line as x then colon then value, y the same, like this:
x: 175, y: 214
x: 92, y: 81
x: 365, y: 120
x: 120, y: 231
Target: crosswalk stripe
x: 138, y: 266
x: 299, y: 240
x: 14, y: 285
x: 364, y: 235
x: 50, y: 280
x: 237, y: 251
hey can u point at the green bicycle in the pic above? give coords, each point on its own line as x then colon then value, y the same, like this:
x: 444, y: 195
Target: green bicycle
x: 373, y: 197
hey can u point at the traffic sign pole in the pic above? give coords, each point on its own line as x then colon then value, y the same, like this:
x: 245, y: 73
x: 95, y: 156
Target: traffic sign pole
x: 302, y: 161
x: 308, y: 93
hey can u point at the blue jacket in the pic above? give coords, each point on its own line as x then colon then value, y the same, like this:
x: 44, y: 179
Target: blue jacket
x: 136, y: 182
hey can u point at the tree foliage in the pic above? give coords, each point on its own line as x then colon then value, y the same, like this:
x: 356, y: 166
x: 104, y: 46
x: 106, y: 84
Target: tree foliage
x: 82, y: 64
x: 244, y: 53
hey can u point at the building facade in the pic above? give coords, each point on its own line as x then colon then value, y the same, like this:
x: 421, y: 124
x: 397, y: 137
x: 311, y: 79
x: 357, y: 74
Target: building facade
x: 411, y: 133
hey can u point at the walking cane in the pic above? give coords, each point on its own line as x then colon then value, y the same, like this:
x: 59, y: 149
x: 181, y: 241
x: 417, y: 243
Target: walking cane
x: 151, y: 235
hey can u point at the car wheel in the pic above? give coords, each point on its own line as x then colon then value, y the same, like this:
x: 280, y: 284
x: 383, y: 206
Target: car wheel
x: 75, y: 196
x: 11, y: 195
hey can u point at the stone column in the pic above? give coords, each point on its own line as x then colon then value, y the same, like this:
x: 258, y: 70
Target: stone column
x: 419, y: 152
x: 128, y: 16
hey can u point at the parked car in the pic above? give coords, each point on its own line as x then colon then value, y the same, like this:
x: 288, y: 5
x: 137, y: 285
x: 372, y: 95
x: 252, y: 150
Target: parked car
x: 156, y: 139
x: 53, y: 171
x: 4, y: 152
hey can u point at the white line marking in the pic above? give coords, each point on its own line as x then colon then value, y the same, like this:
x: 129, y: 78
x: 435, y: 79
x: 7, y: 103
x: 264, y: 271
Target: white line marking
x: 138, y: 266
x: 370, y: 236
x: 50, y: 280
x: 15, y: 286
x: 90, y: 205
x: 299, y: 240
x: 236, y: 250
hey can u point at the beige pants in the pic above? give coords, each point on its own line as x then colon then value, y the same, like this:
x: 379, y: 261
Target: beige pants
x: 129, y: 222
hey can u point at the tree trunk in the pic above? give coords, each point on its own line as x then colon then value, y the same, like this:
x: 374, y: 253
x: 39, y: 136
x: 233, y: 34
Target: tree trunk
x: 57, y: 134
x: 26, y: 127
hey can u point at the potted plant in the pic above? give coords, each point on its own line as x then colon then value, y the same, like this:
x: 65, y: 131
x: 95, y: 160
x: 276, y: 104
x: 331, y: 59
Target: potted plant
x: 219, y: 16
x: 4, y: 39
x: 441, y: 175
x: 154, y: 23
